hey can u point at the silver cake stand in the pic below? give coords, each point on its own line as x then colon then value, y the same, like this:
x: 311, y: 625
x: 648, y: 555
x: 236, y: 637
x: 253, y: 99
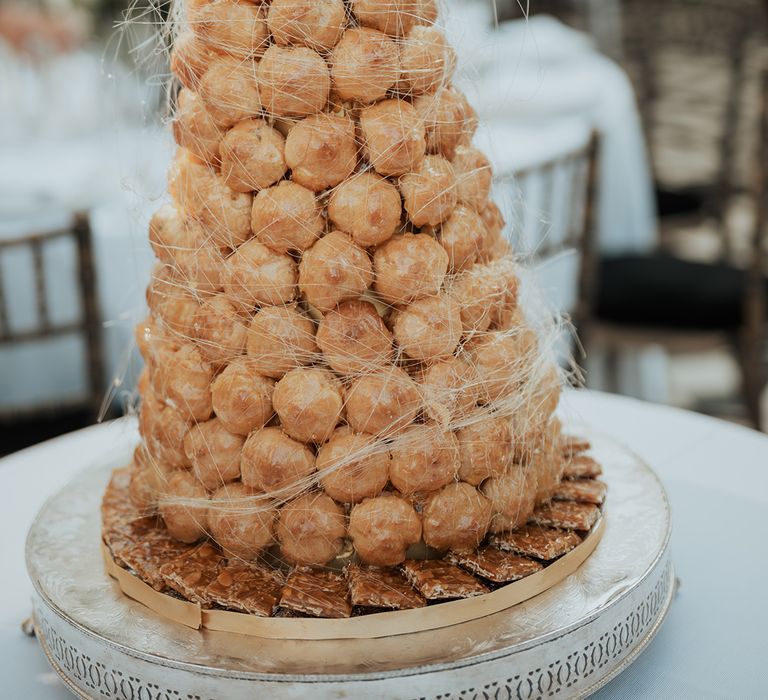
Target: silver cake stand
x: 565, y: 642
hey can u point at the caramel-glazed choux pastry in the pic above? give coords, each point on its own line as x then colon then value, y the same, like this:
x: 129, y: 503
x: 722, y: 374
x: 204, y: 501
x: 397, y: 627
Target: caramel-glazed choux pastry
x: 170, y: 234
x: 293, y: 82
x: 427, y: 61
x: 352, y: 466
x: 334, y: 270
x: 448, y: 120
x: 427, y: 11
x: 202, y: 269
x: 279, y: 339
x: 424, y: 458
x: 429, y: 192
x: 364, y: 65
x: 241, y: 520
x: 457, y: 517
x: 185, y: 380
x: 195, y: 129
x: 257, y: 274
x: 311, y: 529
x: 428, y: 328
x: 474, y: 177
x: 286, y: 217
x: 502, y: 360
x: 393, y: 137
x: 242, y: 398
x: 408, y: 267
x: 252, y: 156
x: 479, y: 291
x: 463, y: 236
x: 275, y: 463
x: 230, y: 91
x: 512, y: 497
x: 382, y: 402
x: 189, y: 59
x: 183, y: 507
x: 317, y: 24
x: 221, y: 327
x: 321, y: 151
x: 214, y: 453
x: 163, y: 429
x: 448, y: 387
x: 354, y: 339
x: 309, y: 402
x: 485, y: 447
x: 393, y: 17
x: 367, y: 207
x: 148, y: 479
x: 231, y: 26
x: 383, y: 528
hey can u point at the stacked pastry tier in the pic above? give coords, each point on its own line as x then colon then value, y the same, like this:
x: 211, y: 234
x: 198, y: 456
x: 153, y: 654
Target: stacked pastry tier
x: 336, y: 363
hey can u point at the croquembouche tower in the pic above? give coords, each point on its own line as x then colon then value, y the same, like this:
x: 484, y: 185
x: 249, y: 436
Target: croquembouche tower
x: 339, y: 378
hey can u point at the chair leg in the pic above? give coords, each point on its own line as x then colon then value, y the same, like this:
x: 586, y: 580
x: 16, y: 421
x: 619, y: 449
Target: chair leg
x: 752, y: 379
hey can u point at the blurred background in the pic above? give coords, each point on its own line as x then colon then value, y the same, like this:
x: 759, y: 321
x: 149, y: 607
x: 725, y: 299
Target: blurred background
x: 628, y: 140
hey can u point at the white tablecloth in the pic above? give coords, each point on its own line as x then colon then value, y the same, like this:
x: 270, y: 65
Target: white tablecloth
x: 711, y: 645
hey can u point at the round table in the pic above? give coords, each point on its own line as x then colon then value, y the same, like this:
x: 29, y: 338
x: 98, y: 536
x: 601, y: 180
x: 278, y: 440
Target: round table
x: 716, y: 474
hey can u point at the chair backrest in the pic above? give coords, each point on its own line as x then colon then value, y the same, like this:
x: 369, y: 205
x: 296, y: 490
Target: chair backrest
x: 86, y: 323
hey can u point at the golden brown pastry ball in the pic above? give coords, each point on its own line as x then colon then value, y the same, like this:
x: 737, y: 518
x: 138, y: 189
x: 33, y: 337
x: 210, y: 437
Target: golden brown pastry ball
x: 279, y: 339
x: 545, y: 395
x: 183, y: 507
x: 189, y: 180
x: 427, y: 12
x: 258, y: 275
x: 448, y: 388
x: 447, y: 120
x: 352, y: 466
x: 195, y: 129
x: 505, y: 312
x: 293, y: 82
x: 242, y: 398
x: 474, y: 177
x: 393, y: 137
x: 170, y: 234
x: 426, y: 61
x: 321, y: 151
x: 163, y: 429
x: 393, y: 17
x: 354, y: 339
x: 457, y: 517
x: 214, y: 453
x: 311, y: 529
x: 429, y: 192
x: 334, y: 270
x: 175, y: 306
x: 383, y: 402
x: 512, y: 496
x: 252, y: 156
x: 185, y: 379
x: 485, y: 446
x: 502, y: 360
x: 428, y: 328
x: 317, y: 24
x: 220, y: 327
x: 364, y: 65
x: 408, y: 267
x: 148, y: 479
x: 202, y: 268
x: 276, y: 463
x: 230, y: 90
x: 424, y: 458
x: 479, y: 292
x: 383, y: 528
x: 189, y: 59
x: 241, y: 520
x: 463, y: 236
x: 309, y: 402
x: 231, y: 26
x: 367, y: 207
x: 286, y: 217
x: 545, y: 472
x: 496, y: 245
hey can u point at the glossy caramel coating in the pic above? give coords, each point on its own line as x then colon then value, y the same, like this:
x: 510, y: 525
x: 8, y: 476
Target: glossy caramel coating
x: 163, y: 429
x: 170, y: 235
x: 280, y: 338
x: 241, y: 520
x: 383, y: 528
x: 485, y: 447
x: 176, y: 307
x: 427, y: 11
x: 394, y: 140
x: 183, y: 507
x: 367, y: 207
x: 364, y: 65
x: 231, y: 26
x: 229, y: 88
x: 185, y: 379
x: 293, y: 82
x: 448, y: 389
x: 286, y: 217
x: 354, y: 339
x: 202, y: 269
x: 214, y: 453
x: 474, y: 177
x: 334, y: 270
x: 512, y: 497
x: 148, y: 479
x: 195, y: 129
x: 408, y: 267
x: 424, y: 458
x: 189, y: 59
x: 252, y: 156
x: 258, y: 275
x: 382, y: 402
x: 311, y: 529
x: 545, y: 471
x: 275, y: 463
x: 427, y: 61
x: 352, y: 466
x: 393, y: 17
x: 501, y: 360
x: 463, y: 236
x: 429, y: 192
x: 242, y: 398
x: 309, y: 402
x: 428, y: 328
x: 448, y: 120
x: 321, y: 151
x: 480, y: 291
x: 220, y: 328
x: 316, y: 24
x: 457, y: 517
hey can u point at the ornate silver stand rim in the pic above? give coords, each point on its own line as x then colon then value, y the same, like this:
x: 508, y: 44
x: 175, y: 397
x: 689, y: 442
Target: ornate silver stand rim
x: 567, y: 641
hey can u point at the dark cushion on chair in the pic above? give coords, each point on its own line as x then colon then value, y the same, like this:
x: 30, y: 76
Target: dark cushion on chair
x: 659, y: 290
